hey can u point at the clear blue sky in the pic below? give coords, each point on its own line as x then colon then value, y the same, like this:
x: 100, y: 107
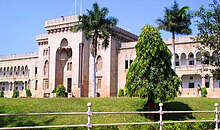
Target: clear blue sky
x: 21, y: 20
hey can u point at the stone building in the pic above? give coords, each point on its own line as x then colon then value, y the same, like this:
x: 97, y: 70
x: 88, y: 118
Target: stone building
x: 64, y: 58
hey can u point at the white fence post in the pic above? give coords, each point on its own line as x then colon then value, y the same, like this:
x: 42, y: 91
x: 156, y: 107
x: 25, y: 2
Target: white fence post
x: 161, y: 115
x: 89, y: 113
x: 216, y: 116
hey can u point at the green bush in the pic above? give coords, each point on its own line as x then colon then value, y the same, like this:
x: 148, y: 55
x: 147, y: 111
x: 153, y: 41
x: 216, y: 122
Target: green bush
x: 1, y: 94
x: 60, y: 91
x: 121, y: 93
x: 28, y: 93
x: 15, y: 94
x: 204, y: 92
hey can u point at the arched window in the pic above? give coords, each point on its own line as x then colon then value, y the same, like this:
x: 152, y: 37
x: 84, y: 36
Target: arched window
x: 17, y: 73
x: 206, y: 56
x: 64, y: 43
x: 11, y: 70
x: 46, y: 67
x: 99, y: 63
x: 177, y: 60
x: 191, y: 58
x: 26, y: 69
x: 1, y: 71
x: 198, y: 58
x: 215, y: 56
x: 183, y: 59
x: 22, y: 69
x: 69, y: 66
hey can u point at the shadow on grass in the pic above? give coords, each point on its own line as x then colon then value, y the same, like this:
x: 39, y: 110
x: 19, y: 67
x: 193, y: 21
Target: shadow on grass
x: 20, y: 121
x: 172, y: 106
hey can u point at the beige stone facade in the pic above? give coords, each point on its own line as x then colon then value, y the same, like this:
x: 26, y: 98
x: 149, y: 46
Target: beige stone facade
x: 64, y: 58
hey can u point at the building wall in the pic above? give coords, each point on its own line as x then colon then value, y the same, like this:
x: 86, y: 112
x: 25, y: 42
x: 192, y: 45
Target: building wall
x: 64, y: 55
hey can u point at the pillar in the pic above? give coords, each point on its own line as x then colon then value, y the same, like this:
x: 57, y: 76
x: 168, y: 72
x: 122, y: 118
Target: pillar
x: 203, y: 81
x: 211, y: 85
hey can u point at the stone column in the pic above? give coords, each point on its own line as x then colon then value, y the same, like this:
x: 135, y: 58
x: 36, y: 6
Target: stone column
x: 203, y: 81
x: 10, y: 86
x: 211, y: 86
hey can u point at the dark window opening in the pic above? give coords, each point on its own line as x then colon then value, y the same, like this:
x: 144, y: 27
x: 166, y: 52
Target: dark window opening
x: 191, y: 85
x: 207, y: 84
x: 191, y: 62
x: 177, y: 63
x: 131, y: 62
x: 126, y: 64
x: 190, y: 77
x: 35, y: 70
x: 36, y: 84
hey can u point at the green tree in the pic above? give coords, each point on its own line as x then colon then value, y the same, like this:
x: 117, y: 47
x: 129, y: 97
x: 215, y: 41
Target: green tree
x: 150, y: 74
x: 60, y: 92
x: 177, y: 21
x: 209, y: 35
x: 96, y: 25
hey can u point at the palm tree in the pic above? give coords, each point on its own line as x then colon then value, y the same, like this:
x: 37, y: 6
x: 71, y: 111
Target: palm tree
x: 96, y: 26
x: 176, y: 21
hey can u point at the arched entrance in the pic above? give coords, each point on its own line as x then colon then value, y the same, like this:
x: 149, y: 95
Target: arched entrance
x: 63, y: 55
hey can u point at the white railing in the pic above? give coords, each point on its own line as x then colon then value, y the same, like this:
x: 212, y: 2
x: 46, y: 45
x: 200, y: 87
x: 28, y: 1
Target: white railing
x: 89, y: 113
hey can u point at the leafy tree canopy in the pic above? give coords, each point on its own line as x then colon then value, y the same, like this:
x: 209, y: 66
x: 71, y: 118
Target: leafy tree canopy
x: 150, y: 74
x: 176, y: 20
x: 209, y: 35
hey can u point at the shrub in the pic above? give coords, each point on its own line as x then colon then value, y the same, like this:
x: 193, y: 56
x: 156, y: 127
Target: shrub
x: 15, y: 94
x: 204, y: 92
x: 1, y: 94
x: 121, y: 93
x: 60, y: 91
x: 28, y: 93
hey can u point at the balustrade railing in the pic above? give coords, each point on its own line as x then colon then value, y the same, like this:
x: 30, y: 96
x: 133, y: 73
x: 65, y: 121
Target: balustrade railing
x: 90, y: 113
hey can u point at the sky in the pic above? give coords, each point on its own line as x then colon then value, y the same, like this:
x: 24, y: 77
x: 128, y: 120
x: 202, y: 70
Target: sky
x: 22, y: 20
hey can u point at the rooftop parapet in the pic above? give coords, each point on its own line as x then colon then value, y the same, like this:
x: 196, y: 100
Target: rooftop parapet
x: 61, y: 20
x: 180, y: 40
x: 19, y: 56
x: 126, y: 33
x: 127, y: 45
x: 41, y: 37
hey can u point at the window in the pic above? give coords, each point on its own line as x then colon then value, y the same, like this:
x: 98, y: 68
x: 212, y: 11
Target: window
x: 207, y: 84
x: 3, y: 88
x: 177, y: 63
x: 69, y: 66
x: 99, y: 63
x: 191, y: 62
x: 46, y: 86
x: 99, y: 46
x: 191, y: 85
x: 99, y: 83
x: 177, y: 60
x: 46, y: 68
x: 131, y: 62
x: 191, y: 78
x: 126, y: 64
x: 36, y: 84
x: 35, y: 70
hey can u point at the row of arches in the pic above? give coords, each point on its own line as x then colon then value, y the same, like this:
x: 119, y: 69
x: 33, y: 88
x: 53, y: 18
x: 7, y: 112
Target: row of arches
x: 192, y: 59
x: 14, y: 70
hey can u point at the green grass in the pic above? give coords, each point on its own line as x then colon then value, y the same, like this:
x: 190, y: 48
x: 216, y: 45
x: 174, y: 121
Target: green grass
x: 35, y: 105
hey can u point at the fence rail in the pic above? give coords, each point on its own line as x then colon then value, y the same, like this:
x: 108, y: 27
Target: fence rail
x: 89, y: 113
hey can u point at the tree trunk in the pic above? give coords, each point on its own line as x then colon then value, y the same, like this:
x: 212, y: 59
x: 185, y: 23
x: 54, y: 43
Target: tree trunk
x: 173, y: 52
x: 150, y: 107
x: 94, y: 78
x: 94, y: 54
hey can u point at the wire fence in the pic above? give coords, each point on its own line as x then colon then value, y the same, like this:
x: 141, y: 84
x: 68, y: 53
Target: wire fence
x: 90, y: 113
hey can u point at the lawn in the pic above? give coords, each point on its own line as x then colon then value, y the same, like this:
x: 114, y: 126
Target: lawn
x: 37, y: 105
